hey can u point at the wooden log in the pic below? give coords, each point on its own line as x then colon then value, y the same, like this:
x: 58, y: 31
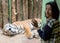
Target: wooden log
x: 35, y: 8
x: 21, y: 10
x: 5, y: 11
x: 30, y: 9
x: 25, y: 9
x: 13, y: 11
x: 39, y: 8
x: 9, y: 11
x: 1, y: 14
x: 18, y: 16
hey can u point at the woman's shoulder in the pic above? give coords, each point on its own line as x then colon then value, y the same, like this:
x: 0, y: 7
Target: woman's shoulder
x: 50, y: 22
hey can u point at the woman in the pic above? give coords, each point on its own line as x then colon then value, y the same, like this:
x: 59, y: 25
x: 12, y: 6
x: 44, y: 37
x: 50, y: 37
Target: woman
x: 52, y: 15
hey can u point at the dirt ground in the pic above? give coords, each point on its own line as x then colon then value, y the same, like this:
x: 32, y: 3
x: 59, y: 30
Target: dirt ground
x: 17, y: 39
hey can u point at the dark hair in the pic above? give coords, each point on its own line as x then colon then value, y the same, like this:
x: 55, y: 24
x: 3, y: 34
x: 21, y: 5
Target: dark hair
x: 55, y: 10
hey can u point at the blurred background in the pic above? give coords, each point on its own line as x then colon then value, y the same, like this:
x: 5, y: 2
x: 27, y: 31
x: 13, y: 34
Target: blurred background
x: 18, y: 10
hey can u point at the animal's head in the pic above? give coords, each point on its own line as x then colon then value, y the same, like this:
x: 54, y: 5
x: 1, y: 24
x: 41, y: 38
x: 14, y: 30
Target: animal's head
x: 10, y: 29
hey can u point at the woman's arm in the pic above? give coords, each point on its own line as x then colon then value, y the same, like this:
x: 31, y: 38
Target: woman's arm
x: 47, y: 30
x: 45, y: 34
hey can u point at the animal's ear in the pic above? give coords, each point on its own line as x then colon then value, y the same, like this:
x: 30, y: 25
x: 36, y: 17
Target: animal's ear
x: 35, y: 23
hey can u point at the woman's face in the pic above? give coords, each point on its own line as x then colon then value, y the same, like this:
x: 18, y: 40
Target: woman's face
x: 48, y: 11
